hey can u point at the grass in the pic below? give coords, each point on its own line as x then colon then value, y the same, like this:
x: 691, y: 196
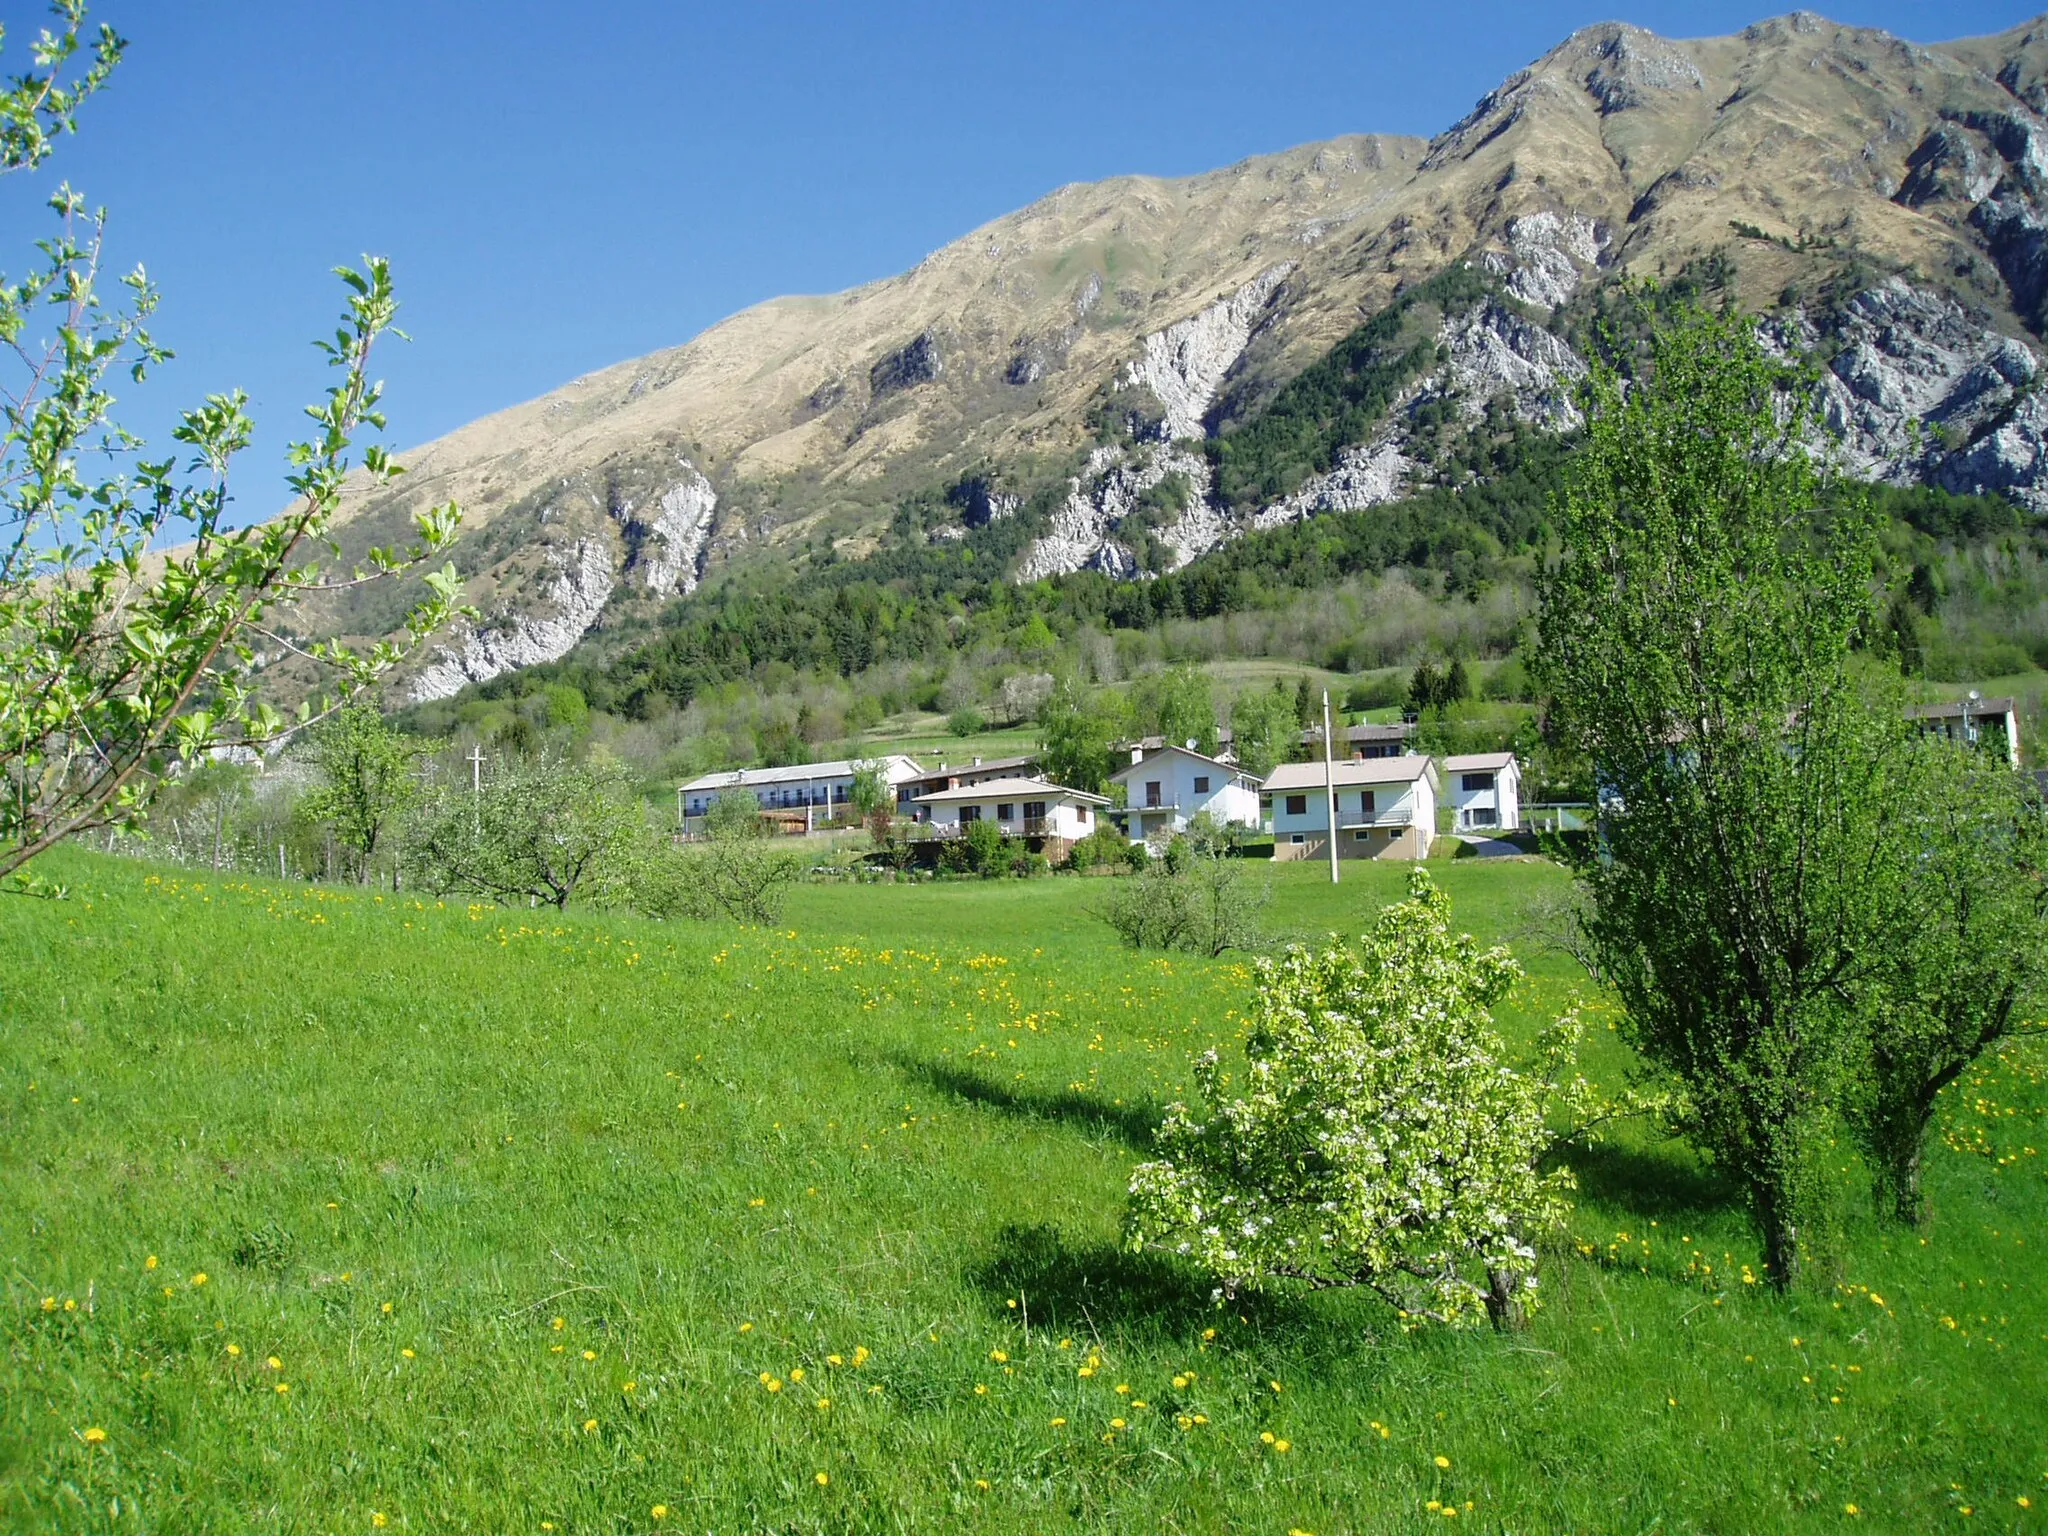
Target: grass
x: 531, y: 1213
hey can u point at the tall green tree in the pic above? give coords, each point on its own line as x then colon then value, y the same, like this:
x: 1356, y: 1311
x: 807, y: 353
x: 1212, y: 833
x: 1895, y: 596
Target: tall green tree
x: 1697, y: 640
x: 130, y: 609
x: 369, y: 779
x: 1077, y: 735
x: 1187, y: 710
x: 1967, y: 971
x: 1262, y: 731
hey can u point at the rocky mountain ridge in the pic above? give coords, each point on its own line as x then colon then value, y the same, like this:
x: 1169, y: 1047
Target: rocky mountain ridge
x: 1886, y: 203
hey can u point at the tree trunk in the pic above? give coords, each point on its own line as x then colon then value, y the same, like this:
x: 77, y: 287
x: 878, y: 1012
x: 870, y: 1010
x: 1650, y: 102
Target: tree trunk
x: 1901, y: 1189
x: 1781, y: 1238
x: 1504, y: 1308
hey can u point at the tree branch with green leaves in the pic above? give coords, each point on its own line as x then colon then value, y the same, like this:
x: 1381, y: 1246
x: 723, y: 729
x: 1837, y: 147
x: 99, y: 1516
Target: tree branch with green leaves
x: 130, y: 606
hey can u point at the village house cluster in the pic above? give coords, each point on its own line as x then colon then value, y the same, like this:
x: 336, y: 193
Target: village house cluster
x: 1374, y: 792
x: 1386, y: 796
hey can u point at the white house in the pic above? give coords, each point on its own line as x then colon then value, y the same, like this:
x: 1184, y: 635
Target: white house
x: 1026, y: 808
x: 1386, y: 808
x: 819, y: 792
x: 1485, y: 791
x: 1166, y: 787
x: 1970, y: 719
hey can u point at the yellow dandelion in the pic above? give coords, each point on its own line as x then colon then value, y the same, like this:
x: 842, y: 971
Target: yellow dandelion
x: 590, y: 1426
x: 998, y: 1356
x: 200, y: 1278
x: 1851, y: 1509
x: 386, y: 1310
x: 660, y: 1512
x: 94, y: 1435
x: 1443, y: 1463
x: 628, y: 1386
x: 1117, y: 1424
x: 590, y: 1354
x: 1283, y: 1446
x: 773, y: 1385
x: 1180, y: 1383
x: 1086, y: 1370
x: 1265, y: 1437
x: 797, y: 1374
x: 746, y: 1327
x: 981, y: 1483
x: 980, y: 1389
x: 860, y: 1354
x: 824, y: 1403
x: 822, y: 1479
x: 835, y: 1360
x: 1056, y: 1423
x: 408, y: 1354
x: 234, y: 1349
x: 150, y: 1262
x: 377, y: 1519
x: 274, y: 1363
x: 558, y: 1324
x: 283, y: 1387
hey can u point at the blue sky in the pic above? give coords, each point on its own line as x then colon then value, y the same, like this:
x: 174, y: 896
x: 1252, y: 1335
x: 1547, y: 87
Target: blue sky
x: 561, y: 187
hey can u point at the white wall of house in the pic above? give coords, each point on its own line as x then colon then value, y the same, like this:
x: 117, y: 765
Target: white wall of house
x: 1170, y: 787
x: 1373, y: 820
x: 819, y: 785
x: 1483, y: 797
x: 1018, y: 817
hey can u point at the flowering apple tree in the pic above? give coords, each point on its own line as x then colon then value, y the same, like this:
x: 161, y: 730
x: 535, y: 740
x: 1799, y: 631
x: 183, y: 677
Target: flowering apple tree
x: 1379, y: 1138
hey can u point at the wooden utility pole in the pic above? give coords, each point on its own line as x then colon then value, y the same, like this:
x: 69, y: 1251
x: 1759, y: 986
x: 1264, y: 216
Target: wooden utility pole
x: 1330, y: 786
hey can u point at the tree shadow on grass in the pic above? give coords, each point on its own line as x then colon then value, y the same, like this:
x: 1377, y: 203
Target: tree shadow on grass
x: 1088, y: 1287
x: 1131, y: 1123
x: 1662, y: 1182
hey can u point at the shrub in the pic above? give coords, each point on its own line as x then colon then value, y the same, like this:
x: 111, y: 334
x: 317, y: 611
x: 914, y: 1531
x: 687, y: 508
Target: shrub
x: 1190, y: 898
x: 1381, y: 1140
x: 966, y: 721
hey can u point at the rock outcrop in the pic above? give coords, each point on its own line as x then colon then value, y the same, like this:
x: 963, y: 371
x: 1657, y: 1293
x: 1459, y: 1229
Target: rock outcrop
x: 569, y: 604
x: 665, y: 545
x: 1184, y: 364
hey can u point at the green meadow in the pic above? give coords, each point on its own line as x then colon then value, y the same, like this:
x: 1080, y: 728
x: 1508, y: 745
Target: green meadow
x: 328, y: 1211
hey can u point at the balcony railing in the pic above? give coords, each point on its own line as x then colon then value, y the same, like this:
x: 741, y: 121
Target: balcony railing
x: 1022, y: 826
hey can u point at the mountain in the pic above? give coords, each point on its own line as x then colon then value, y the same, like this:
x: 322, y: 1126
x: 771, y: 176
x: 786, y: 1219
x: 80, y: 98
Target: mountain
x: 1144, y: 368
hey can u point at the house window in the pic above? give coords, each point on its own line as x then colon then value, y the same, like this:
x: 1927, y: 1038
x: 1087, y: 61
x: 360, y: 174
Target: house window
x: 1475, y: 783
x: 1483, y: 816
x: 1081, y: 812
x: 1034, y: 810
x: 1361, y: 835
x: 970, y: 813
x: 1365, y: 801
x: 1202, y: 784
x: 1297, y: 805
x: 1296, y: 838
x: 1151, y: 792
x: 1006, y: 813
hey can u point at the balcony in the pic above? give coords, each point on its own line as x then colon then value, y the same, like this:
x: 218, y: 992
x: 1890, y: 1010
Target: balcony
x: 1023, y: 826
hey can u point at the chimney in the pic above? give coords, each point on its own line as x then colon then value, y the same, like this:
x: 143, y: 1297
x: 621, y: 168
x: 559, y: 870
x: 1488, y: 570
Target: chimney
x: 975, y: 764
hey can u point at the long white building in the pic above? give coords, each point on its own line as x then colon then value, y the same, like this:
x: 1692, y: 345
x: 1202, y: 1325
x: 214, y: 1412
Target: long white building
x: 820, y: 791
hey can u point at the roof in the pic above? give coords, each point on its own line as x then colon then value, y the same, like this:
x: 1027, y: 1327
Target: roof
x: 1011, y: 789
x: 1398, y: 731
x: 1200, y: 757
x: 1952, y: 709
x: 800, y: 773
x: 1479, y: 762
x: 1369, y: 770
x: 986, y: 766
x: 1224, y: 738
